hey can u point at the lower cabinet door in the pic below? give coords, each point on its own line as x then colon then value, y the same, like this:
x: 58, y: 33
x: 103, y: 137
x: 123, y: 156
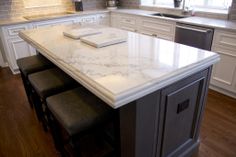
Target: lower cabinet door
x: 18, y: 49
x: 182, y: 105
x: 224, y: 71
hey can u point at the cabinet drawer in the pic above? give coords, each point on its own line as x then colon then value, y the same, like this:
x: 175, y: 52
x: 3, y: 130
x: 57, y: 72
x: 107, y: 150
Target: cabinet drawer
x: 226, y: 39
x: 128, y: 20
x: 13, y: 31
x: 128, y: 23
x: 53, y: 23
x: 156, y: 25
x: 88, y: 19
x: 169, y: 37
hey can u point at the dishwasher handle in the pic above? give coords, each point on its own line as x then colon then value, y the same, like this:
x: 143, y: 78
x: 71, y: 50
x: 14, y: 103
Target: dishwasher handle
x: 202, y: 30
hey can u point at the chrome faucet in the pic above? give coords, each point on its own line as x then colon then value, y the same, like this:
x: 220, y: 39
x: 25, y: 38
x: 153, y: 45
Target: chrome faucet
x: 186, y: 9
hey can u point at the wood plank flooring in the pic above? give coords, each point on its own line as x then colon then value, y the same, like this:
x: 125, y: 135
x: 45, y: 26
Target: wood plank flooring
x: 21, y: 135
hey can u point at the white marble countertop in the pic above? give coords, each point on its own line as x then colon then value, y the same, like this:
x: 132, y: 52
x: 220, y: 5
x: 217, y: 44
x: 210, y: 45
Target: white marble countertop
x: 194, y: 20
x: 200, y: 21
x: 124, y: 72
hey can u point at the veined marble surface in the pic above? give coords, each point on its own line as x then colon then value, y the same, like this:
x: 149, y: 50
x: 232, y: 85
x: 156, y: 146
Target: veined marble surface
x: 124, y: 72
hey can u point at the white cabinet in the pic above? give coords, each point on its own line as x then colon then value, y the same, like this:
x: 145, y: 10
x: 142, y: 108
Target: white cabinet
x: 160, y: 28
x: 129, y: 23
x: 14, y: 46
x: 224, y: 72
x: 54, y: 22
x: 115, y: 20
x: 125, y: 22
x: 103, y: 19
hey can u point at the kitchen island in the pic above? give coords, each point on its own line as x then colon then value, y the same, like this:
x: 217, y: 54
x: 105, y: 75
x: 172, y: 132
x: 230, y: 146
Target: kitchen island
x: 159, y: 87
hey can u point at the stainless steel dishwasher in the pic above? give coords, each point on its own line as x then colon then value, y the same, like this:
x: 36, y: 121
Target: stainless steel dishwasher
x: 199, y: 37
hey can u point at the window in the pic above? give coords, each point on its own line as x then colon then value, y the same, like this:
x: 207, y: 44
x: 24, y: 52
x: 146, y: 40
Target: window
x: 214, y: 4
x: 220, y: 4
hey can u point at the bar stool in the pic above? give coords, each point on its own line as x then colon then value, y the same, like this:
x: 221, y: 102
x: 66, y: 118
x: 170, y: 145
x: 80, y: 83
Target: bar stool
x: 77, y: 112
x: 46, y: 83
x: 29, y: 65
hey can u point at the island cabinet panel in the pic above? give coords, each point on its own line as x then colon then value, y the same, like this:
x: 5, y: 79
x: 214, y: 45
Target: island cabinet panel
x: 165, y: 123
x: 138, y: 123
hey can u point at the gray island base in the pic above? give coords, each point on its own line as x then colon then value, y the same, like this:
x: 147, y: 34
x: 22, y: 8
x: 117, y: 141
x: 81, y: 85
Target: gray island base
x: 166, y: 122
x: 158, y: 87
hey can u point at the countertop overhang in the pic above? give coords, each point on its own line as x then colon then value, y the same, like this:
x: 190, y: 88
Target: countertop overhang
x: 121, y: 73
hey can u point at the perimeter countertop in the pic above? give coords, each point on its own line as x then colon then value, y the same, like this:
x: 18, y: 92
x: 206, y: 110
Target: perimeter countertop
x: 124, y: 72
x: 194, y: 20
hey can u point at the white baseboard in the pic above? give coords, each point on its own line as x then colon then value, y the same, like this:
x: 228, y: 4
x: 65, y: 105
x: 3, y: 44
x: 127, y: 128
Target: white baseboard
x: 223, y: 91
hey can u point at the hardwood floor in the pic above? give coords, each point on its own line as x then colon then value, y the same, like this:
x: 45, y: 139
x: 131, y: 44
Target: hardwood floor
x: 218, y: 130
x: 21, y: 134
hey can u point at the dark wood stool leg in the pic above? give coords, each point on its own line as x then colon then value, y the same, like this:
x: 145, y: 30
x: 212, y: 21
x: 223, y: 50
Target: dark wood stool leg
x: 55, y: 132
x: 38, y: 105
x: 27, y: 89
x: 76, y: 152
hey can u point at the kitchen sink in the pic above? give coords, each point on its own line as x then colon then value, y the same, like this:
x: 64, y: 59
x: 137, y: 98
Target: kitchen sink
x: 43, y: 16
x: 168, y: 15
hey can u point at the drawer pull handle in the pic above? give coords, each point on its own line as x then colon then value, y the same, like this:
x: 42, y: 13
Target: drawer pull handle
x: 183, y: 106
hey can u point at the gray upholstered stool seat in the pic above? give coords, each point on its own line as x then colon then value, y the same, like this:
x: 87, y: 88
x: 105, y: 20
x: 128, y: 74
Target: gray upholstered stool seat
x: 78, y: 110
x: 29, y: 65
x: 33, y: 64
x: 51, y: 81
x: 46, y: 83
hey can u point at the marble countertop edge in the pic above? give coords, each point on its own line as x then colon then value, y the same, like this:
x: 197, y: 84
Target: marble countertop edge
x: 162, y: 82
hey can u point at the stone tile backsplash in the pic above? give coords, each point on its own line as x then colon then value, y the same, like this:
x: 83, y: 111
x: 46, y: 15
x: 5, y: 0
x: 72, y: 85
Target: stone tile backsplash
x: 16, y: 8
